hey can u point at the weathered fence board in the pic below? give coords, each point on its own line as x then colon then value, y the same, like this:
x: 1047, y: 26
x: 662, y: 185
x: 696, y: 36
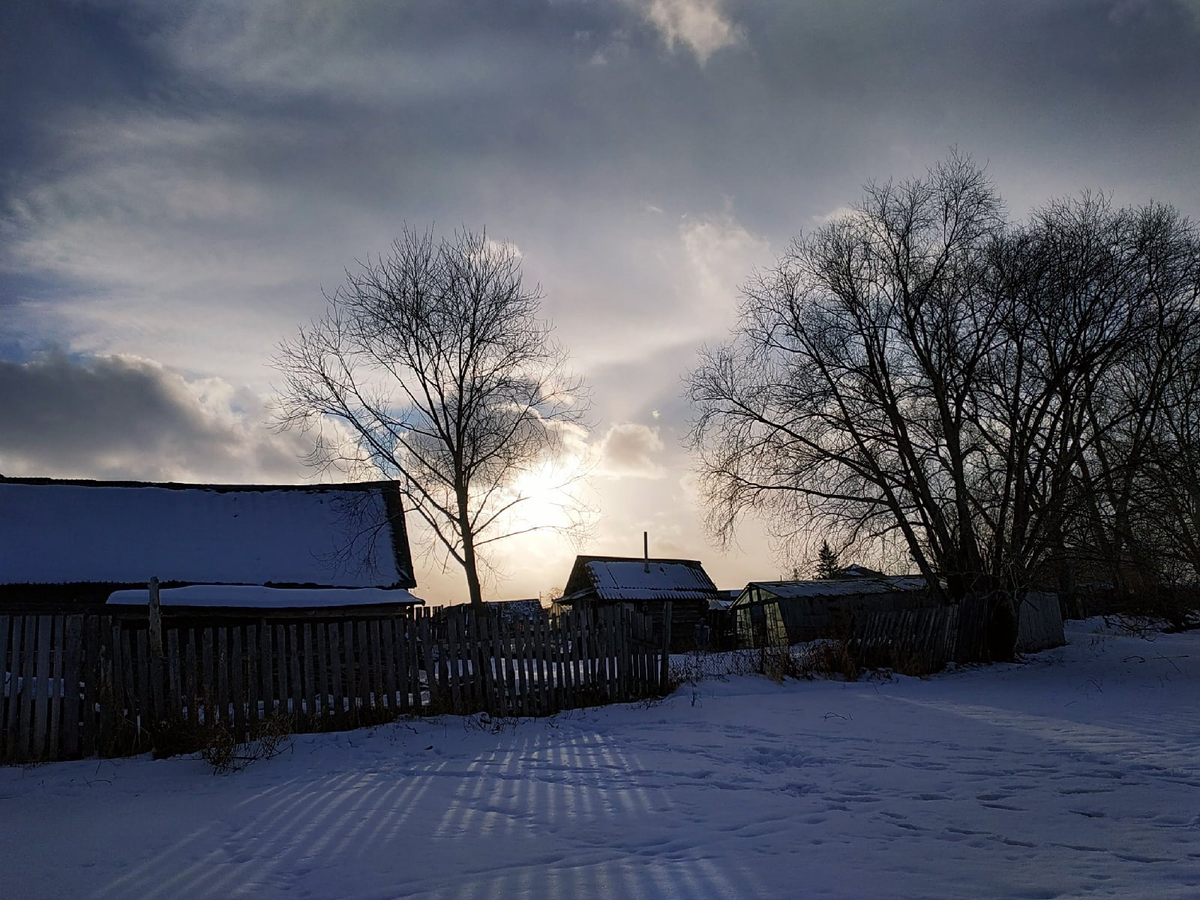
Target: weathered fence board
x: 84, y: 685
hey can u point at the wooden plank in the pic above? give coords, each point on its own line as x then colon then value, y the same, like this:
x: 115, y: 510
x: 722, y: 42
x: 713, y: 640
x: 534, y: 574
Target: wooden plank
x: 351, y: 681
x: 577, y: 658
x: 531, y: 680
x: 542, y: 693
x: 562, y: 649
x: 17, y: 684
x: 9, y: 682
x: 131, y: 733
x: 500, y: 669
x: 294, y: 679
x: 664, y: 674
x: 28, y: 688
x: 627, y: 632
x: 208, y: 676
x: 615, y: 640
x: 555, y: 657
x: 106, y: 689
x: 89, y: 674
x: 320, y: 641
x: 487, y: 664
x: 253, y: 685
x: 610, y: 616
x: 23, y: 663
x: 41, y: 692
x: 427, y: 657
x: 468, y: 658
x: 375, y: 663
x: 335, y: 671
x: 363, y: 658
x: 403, y: 684
x: 174, y: 699
x: 461, y: 619
x: 454, y: 657
x: 266, y: 667
x: 144, y: 690
x: 521, y: 657
x: 221, y: 661
x: 280, y: 665
x: 387, y: 637
x: 57, y: 688
x: 311, y: 714
x: 72, y: 661
x: 414, y: 659
x: 237, y: 682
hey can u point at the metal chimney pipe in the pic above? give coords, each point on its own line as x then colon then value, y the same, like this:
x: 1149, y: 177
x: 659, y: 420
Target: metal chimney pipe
x: 646, y: 549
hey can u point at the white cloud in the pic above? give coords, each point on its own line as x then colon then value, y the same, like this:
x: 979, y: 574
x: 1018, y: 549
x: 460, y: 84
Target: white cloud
x: 630, y: 450
x: 720, y: 254
x: 838, y: 212
x: 700, y: 25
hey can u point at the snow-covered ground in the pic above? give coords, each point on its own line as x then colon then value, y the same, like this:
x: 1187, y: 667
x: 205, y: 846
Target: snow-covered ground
x: 1074, y: 774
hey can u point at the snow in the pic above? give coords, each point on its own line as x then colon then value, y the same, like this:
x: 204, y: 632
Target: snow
x: 240, y: 596
x: 849, y: 587
x: 1073, y: 774
x: 630, y: 580
x: 68, y: 533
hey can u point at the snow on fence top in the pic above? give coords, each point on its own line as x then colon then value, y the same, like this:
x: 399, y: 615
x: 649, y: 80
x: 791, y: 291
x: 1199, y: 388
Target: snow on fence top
x: 69, y: 532
x: 240, y: 596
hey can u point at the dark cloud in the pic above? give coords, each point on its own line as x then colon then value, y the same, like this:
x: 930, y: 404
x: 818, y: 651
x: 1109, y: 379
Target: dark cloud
x: 124, y: 418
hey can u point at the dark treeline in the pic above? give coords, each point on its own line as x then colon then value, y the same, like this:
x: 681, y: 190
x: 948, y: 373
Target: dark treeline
x: 1016, y: 401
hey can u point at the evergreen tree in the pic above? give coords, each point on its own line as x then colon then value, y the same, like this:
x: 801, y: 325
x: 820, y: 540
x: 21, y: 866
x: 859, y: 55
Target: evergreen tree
x: 828, y: 565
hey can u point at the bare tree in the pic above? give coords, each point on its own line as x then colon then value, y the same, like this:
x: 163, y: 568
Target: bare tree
x: 433, y: 359
x: 921, y: 369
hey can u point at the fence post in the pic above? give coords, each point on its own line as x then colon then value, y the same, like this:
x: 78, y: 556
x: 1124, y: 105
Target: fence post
x: 154, y: 626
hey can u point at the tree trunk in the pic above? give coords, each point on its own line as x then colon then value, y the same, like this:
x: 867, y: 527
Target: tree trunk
x: 470, y: 564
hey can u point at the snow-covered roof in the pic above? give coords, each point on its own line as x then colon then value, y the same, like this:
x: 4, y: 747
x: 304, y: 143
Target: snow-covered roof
x: 835, y: 588
x: 621, y: 578
x: 240, y: 596
x: 121, y: 533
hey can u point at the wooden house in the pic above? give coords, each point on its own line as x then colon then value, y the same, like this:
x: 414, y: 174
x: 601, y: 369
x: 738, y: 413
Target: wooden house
x: 69, y: 545
x: 780, y: 613
x: 647, y: 584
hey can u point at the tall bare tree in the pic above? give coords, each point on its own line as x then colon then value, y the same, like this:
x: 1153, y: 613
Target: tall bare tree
x: 436, y: 363
x: 921, y: 369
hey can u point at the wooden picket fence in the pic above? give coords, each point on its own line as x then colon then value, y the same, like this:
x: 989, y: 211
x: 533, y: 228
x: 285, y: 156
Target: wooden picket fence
x: 912, y: 641
x: 918, y: 641
x: 95, y: 685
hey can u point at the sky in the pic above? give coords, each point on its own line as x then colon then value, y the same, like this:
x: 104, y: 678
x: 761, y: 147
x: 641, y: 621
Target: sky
x: 181, y: 182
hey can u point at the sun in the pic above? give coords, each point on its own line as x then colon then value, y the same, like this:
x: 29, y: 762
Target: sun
x: 548, y: 495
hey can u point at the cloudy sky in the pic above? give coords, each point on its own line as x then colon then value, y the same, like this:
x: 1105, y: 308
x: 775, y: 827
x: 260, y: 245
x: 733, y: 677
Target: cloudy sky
x: 179, y: 181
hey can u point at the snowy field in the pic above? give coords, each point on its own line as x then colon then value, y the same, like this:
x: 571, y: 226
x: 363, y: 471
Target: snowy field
x: 1074, y: 774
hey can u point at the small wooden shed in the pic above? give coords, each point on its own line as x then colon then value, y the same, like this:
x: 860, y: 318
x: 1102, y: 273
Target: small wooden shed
x: 780, y: 613
x: 647, y: 584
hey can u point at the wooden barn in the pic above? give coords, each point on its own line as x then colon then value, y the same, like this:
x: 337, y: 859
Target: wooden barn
x: 66, y: 546
x: 780, y: 613
x: 648, y: 584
